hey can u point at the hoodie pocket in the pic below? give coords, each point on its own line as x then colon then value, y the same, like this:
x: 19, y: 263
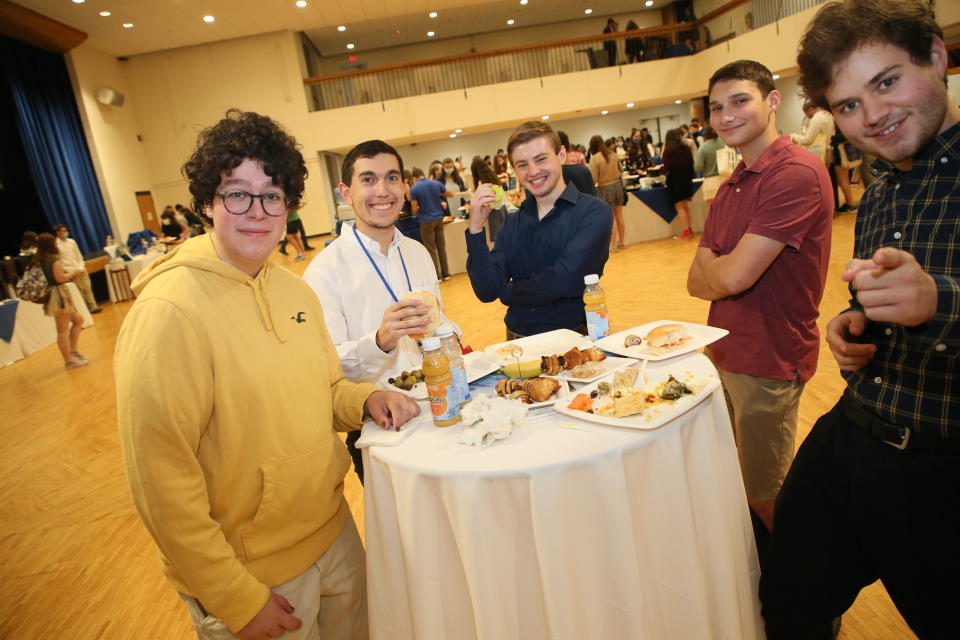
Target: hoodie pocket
x: 300, y: 494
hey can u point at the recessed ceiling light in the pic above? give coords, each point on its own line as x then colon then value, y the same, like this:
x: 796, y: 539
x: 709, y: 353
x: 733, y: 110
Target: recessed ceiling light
x: 128, y: 25
x: 105, y: 14
x: 588, y: 11
x: 432, y: 14
x: 604, y: 112
x: 351, y: 45
x: 301, y: 3
x: 208, y: 18
x: 430, y: 34
x: 523, y: 1
x: 629, y: 105
x: 511, y: 21
x: 544, y: 117
x: 453, y: 135
x: 776, y: 76
x: 648, y: 3
x: 341, y: 28
x: 677, y: 101
x: 79, y: 1
x: 459, y: 130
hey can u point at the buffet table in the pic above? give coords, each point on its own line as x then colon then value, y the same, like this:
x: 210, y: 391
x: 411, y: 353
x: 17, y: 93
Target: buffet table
x: 565, y: 530
x: 119, y: 287
x: 646, y: 212
x: 32, y: 330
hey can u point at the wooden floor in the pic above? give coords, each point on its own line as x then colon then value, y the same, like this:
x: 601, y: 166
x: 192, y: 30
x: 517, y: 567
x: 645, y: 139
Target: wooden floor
x: 75, y: 561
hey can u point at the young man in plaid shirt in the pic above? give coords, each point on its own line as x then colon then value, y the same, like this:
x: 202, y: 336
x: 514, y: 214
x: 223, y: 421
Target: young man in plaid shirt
x: 874, y: 492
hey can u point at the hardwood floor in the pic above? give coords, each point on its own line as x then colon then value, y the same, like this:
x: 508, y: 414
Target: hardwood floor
x: 76, y: 563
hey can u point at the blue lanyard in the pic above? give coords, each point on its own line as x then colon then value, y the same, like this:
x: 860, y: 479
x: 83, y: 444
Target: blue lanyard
x: 377, y: 269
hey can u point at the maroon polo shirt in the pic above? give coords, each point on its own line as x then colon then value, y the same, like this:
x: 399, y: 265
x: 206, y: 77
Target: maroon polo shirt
x: 786, y: 196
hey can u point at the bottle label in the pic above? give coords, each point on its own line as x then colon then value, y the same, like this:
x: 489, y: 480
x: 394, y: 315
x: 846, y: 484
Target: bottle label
x: 444, y: 403
x: 463, y: 387
x: 598, y: 324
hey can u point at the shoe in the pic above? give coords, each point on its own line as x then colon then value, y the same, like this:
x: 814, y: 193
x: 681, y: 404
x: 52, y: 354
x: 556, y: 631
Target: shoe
x: 687, y: 233
x: 283, y: 250
x: 445, y: 278
x: 73, y: 364
x: 613, y: 249
x: 844, y: 209
x: 621, y: 246
x: 96, y: 310
x: 307, y: 247
x: 79, y: 356
x: 299, y: 258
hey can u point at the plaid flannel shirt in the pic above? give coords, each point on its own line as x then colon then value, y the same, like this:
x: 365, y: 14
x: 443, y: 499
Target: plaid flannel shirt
x: 912, y: 379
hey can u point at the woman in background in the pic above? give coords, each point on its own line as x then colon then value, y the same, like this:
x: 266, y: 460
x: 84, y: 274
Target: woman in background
x: 60, y: 304
x: 605, y: 169
x: 453, y: 183
x: 174, y: 232
x: 678, y: 166
x: 483, y: 174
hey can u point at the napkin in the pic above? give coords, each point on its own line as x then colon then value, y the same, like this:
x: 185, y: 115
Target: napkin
x: 486, y: 420
x: 375, y: 435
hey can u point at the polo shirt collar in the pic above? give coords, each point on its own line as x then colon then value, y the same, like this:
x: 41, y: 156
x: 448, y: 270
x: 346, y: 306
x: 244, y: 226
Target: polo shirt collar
x: 769, y: 155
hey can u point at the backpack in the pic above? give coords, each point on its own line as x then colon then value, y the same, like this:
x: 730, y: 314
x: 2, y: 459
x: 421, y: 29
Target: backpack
x: 33, y: 286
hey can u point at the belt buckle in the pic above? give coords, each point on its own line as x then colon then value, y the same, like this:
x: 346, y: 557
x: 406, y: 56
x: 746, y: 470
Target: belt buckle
x: 904, y: 439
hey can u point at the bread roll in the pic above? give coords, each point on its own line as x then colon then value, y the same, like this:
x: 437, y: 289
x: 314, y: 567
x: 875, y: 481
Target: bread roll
x: 433, y: 311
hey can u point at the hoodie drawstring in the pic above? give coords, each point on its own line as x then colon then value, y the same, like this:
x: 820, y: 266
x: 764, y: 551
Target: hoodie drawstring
x: 264, y: 306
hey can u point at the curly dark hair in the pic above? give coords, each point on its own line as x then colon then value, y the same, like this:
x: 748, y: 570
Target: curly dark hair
x: 238, y: 136
x: 840, y: 28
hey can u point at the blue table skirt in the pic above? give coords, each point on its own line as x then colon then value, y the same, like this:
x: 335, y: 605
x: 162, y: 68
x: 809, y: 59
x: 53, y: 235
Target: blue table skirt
x: 8, y: 319
x: 658, y: 199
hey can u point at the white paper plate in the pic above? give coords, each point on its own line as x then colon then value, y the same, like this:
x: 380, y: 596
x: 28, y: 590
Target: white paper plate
x: 542, y: 344
x: 702, y: 335
x: 696, y: 364
x: 611, y: 364
x: 477, y: 364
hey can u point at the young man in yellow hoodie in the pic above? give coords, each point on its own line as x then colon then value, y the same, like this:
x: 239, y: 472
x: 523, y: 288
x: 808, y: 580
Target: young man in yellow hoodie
x: 228, y: 393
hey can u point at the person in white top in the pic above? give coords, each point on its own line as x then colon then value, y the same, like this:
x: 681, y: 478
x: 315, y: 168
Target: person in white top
x: 361, y: 276
x: 73, y: 261
x: 815, y: 136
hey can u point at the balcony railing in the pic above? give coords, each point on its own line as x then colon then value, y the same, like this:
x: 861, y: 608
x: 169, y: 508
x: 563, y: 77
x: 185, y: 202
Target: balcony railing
x: 461, y: 72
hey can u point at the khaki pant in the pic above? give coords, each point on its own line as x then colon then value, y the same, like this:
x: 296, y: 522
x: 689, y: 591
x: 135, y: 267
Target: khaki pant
x: 431, y: 235
x: 83, y: 283
x: 330, y: 597
x: 764, y: 416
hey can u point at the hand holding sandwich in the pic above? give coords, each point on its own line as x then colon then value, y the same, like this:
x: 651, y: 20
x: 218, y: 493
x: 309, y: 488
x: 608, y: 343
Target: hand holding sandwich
x: 414, y: 315
x: 480, y: 206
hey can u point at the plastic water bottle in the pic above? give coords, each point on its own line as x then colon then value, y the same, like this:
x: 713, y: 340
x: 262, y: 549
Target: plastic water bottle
x: 444, y: 404
x: 595, y: 305
x: 450, y: 345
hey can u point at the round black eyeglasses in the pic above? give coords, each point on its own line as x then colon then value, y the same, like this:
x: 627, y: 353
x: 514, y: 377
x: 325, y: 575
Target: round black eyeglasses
x: 239, y: 202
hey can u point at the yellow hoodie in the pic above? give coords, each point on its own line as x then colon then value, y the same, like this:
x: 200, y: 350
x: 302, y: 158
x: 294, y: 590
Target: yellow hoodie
x: 227, y: 391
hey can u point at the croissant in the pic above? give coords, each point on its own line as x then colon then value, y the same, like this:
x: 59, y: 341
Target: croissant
x: 540, y: 389
x: 593, y: 355
x: 572, y: 358
x: 551, y: 365
x: 632, y: 340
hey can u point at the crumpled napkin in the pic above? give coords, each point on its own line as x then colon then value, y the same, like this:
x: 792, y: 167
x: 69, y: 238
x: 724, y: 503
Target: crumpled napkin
x: 487, y: 419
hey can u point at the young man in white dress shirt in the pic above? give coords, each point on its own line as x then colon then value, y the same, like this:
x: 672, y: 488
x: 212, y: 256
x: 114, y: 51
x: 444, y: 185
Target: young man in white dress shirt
x: 362, y: 276
x: 73, y: 261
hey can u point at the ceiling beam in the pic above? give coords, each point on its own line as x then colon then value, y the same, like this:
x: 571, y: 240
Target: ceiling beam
x: 20, y: 23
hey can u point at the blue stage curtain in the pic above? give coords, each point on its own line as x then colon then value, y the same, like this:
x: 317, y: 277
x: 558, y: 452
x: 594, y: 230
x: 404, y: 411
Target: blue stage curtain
x: 54, y: 142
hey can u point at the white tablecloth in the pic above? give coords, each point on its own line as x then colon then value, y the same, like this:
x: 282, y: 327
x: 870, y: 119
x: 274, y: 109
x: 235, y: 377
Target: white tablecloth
x: 560, y: 533
x: 134, y: 267
x: 34, y: 330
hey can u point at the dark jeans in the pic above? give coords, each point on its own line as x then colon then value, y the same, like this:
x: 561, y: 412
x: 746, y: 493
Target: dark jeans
x: 853, y: 510
x: 355, y: 453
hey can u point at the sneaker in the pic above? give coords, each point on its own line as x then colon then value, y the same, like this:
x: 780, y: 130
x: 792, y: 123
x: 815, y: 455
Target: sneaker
x: 78, y: 356
x: 445, y: 278
x: 621, y: 246
x: 299, y: 258
x: 283, y: 250
x: 73, y: 364
x: 307, y: 247
x: 96, y: 310
x: 687, y: 233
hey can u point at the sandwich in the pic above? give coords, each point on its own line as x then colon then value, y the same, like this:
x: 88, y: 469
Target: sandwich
x: 667, y: 338
x: 432, y: 305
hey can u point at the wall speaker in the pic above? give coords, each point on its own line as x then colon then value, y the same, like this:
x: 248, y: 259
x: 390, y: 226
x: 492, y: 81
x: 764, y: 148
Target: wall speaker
x: 109, y: 96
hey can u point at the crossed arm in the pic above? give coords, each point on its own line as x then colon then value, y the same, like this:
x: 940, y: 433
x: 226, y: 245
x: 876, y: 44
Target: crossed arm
x: 714, y: 277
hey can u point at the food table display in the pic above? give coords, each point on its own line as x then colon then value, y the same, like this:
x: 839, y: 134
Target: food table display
x: 568, y: 528
x: 133, y: 266
x: 645, y: 209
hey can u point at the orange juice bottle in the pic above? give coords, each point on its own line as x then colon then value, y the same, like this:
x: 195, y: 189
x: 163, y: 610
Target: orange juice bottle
x: 444, y: 400
x: 450, y: 345
x: 595, y: 305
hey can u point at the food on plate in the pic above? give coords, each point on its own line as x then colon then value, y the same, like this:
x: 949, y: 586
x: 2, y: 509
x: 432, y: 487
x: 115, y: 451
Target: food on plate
x: 506, y: 350
x: 433, y: 311
x: 587, y: 370
x: 553, y: 365
x: 666, y: 338
x: 632, y: 341
x: 407, y: 379
x: 626, y: 378
x: 499, y: 198
x: 629, y: 402
x: 673, y: 389
x: 527, y: 391
x: 529, y: 369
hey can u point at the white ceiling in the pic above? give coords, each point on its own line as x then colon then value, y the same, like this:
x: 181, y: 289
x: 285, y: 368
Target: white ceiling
x: 167, y: 24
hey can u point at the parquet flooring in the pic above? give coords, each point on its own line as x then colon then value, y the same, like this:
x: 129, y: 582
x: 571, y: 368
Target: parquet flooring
x: 75, y: 561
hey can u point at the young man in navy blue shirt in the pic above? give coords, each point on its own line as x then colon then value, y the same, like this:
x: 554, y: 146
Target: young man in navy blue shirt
x: 541, y: 255
x: 425, y: 197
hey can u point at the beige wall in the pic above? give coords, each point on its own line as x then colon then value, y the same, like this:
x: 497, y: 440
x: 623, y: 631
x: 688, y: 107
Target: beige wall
x: 171, y: 95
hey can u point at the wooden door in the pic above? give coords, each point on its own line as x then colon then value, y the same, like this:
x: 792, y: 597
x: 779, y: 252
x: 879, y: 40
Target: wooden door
x: 148, y: 211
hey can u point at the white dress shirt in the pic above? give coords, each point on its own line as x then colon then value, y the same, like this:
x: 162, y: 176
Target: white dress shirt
x: 354, y: 299
x: 819, y: 130
x: 70, y: 255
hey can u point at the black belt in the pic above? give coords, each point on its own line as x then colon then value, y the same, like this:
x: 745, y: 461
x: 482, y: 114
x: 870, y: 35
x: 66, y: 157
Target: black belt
x: 894, y: 435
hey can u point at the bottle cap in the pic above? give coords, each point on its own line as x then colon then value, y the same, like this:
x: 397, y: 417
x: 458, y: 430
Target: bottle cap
x: 430, y: 344
x: 591, y: 279
x: 443, y: 330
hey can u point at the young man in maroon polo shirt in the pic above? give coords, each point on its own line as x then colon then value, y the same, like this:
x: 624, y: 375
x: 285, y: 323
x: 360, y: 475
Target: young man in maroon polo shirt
x: 762, y: 262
